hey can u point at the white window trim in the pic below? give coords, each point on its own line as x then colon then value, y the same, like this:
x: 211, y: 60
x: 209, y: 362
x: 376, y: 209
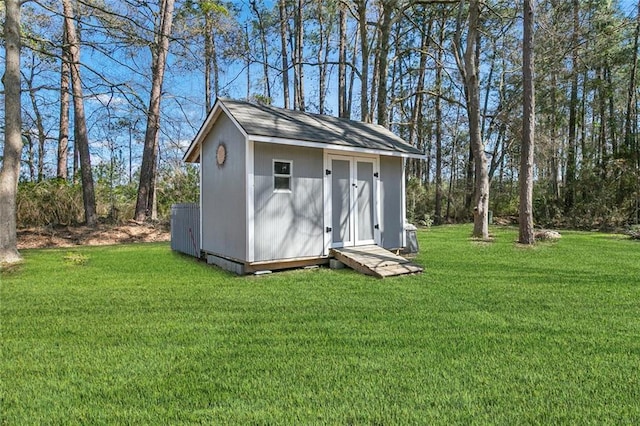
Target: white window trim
x: 275, y: 175
x: 250, y: 191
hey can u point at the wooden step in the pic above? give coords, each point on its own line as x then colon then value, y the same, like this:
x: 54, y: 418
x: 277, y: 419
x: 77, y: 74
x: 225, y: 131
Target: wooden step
x: 374, y: 260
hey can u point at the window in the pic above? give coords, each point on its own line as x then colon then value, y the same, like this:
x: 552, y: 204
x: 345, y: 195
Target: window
x: 281, y: 176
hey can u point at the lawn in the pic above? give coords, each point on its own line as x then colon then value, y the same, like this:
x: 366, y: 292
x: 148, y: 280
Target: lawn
x: 490, y: 333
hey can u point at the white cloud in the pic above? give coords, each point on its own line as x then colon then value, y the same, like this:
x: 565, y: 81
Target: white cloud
x: 108, y: 99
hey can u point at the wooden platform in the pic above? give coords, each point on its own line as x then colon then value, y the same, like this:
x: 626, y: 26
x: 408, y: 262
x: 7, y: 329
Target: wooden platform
x: 374, y: 260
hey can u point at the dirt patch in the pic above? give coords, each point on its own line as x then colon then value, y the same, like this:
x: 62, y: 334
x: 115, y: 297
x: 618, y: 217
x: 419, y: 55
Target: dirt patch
x: 69, y: 236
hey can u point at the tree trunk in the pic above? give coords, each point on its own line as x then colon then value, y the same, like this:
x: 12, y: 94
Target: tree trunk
x: 248, y: 57
x: 63, y: 134
x: 10, y: 170
x: 612, y: 114
x: 555, y: 155
x: 472, y: 83
x: 416, y: 135
x: 322, y: 60
x: 159, y: 52
x: 298, y: 67
x: 41, y: 133
x: 438, y: 111
x: 352, y: 77
x: 374, y: 78
x: 383, y: 61
x: 601, y: 149
x: 526, y: 235
x: 263, y: 47
x: 208, y: 54
x: 215, y: 69
x: 31, y: 157
x: 364, y: 54
x: 570, y: 175
x: 422, y: 68
x: 454, y: 168
x: 153, y: 192
x: 284, y: 31
x: 81, y: 135
x: 342, y: 63
x: 629, y: 117
x: 469, y: 180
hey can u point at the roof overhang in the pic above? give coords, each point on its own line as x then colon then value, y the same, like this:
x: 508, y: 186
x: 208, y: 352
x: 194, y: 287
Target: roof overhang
x: 334, y: 147
x: 192, y: 154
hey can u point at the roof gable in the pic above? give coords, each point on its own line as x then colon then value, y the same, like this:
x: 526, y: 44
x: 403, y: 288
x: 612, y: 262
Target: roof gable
x: 273, y: 124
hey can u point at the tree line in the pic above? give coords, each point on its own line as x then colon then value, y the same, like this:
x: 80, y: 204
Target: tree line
x: 129, y: 83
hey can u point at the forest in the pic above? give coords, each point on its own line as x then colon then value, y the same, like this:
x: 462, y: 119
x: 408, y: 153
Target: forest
x: 112, y: 92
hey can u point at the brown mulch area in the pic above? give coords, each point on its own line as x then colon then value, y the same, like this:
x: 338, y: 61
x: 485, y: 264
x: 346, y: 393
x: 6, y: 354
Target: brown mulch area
x: 69, y: 236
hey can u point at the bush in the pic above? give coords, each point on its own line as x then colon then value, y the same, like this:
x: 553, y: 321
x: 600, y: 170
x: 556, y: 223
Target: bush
x: 50, y: 202
x: 417, y: 201
x: 57, y: 202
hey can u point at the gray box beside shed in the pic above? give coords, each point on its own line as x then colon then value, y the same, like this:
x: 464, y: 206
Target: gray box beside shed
x: 185, y: 228
x: 411, y: 246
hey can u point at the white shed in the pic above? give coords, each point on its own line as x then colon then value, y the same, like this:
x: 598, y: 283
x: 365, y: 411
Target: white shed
x: 281, y: 188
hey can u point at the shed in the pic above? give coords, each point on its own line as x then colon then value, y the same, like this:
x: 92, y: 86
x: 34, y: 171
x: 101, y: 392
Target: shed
x: 281, y: 188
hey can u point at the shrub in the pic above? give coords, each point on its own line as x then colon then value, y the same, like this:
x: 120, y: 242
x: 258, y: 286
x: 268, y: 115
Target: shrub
x: 50, y: 202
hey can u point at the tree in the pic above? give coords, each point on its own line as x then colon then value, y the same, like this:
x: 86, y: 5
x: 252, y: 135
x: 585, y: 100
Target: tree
x: 81, y: 135
x: 36, y: 123
x: 526, y: 235
x: 13, y: 139
x: 468, y: 66
x: 323, y: 34
x: 387, y: 20
x: 261, y: 28
x: 438, y: 112
x: 570, y: 173
x: 629, y: 135
x: 361, y: 6
x: 342, y: 62
x: 298, y: 58
x: 284, y: 34
x: 63, y: 133
x: 159, y: 50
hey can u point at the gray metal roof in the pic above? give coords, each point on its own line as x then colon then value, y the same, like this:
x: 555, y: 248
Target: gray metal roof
x: 279, y: 125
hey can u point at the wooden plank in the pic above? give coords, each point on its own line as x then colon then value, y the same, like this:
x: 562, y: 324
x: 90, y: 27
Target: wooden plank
x: 285, y: 264
x: 352, y: 263
x: 374, y: 252
x: 398, y: 270
x: 374, y: 260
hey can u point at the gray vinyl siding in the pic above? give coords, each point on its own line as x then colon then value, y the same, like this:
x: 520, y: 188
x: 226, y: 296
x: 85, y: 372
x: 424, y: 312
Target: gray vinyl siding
x: 391, y: 202
x: 223, y: 192
x: 288, y: 224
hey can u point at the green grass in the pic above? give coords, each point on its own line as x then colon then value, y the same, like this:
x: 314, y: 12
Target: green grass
x: 495, y: 333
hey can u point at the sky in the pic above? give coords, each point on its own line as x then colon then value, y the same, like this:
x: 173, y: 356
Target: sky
x: 183, y: 105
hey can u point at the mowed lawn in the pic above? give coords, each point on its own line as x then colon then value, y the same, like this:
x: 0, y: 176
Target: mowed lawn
x: 489, y: 334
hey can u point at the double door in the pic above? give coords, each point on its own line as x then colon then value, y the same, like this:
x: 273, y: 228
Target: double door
x: 353, y: 187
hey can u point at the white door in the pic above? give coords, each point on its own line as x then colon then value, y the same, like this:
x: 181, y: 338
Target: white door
x: 353, y: 200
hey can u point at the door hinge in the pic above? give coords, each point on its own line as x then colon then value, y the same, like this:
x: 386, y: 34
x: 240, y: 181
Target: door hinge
x: 377, y: 227
x: 329, y: 229
x: 376, y: 174
x: 327, y: 172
